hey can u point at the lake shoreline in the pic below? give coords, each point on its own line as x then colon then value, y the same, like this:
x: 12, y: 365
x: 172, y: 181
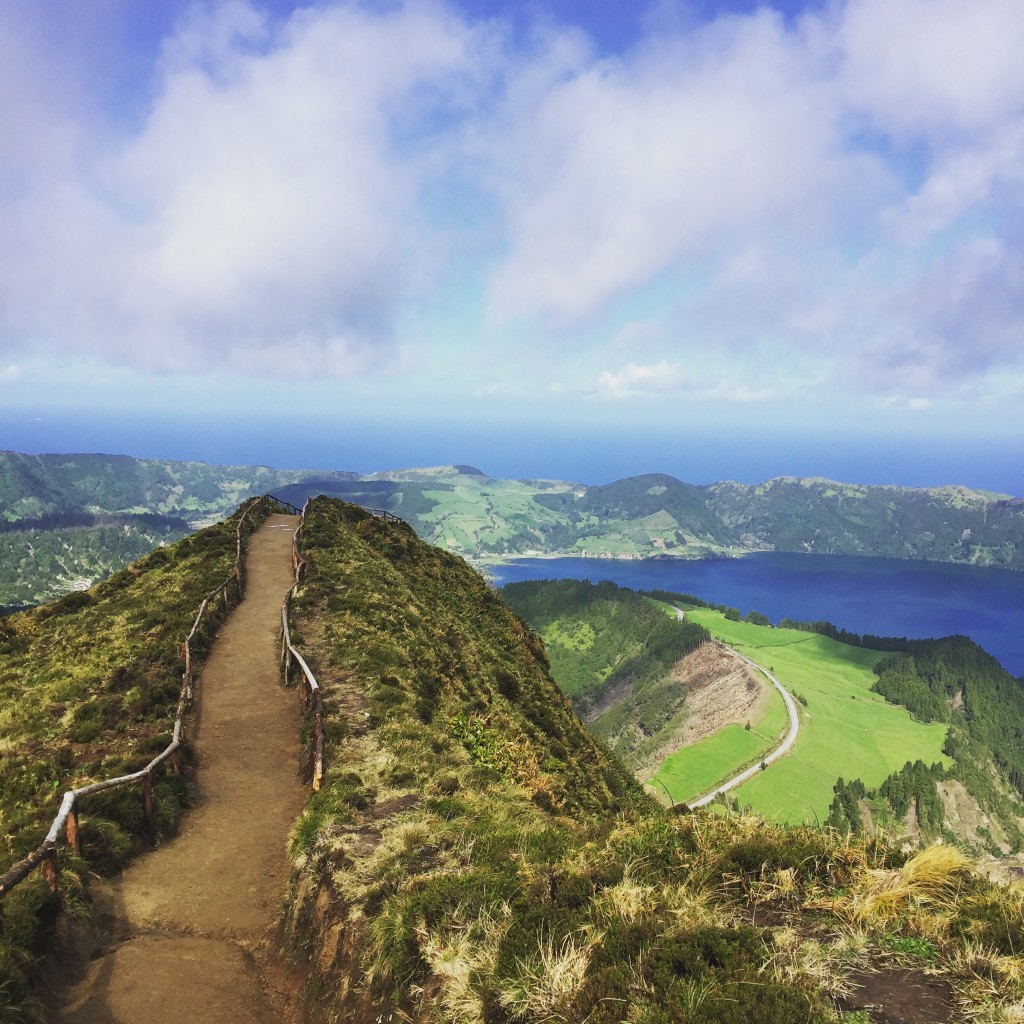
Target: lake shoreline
x: 878, y: 596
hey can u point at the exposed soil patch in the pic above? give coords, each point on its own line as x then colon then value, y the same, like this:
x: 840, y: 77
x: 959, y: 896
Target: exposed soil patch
x: 721, y: 688
x: 190, y: 926
x: 388, y: 808
x: 901, y: 996
x: 621, y: 691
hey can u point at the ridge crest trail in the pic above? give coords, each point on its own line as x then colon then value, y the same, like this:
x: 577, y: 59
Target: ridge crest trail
x: 190, y: 925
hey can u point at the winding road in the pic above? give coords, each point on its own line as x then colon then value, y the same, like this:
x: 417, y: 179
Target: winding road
x: 780, y: 751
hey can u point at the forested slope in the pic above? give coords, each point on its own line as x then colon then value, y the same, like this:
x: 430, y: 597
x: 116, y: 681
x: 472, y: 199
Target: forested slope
x: 953, y: 681
x: 612, y: 651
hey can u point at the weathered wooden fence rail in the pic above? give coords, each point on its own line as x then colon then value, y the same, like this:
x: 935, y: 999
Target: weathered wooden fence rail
x: 309, y: 689
x: 45, y: 856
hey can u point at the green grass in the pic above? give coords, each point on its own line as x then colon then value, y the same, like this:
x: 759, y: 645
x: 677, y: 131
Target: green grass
x: 694, y: 770
x: 845, y: 729
x: 470, y: 849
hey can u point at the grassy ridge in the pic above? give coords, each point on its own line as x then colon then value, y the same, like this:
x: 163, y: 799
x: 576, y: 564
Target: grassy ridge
x: 89, y: 687
x: 471, y: 859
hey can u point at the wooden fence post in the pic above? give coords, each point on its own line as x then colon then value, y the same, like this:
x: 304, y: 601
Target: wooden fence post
x: 148, y: 818
x: 72, y: 831
x: 48, y: 868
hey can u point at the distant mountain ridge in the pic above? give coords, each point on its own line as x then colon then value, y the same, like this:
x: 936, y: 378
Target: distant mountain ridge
x: 462, y: 509
x: 656, y: 515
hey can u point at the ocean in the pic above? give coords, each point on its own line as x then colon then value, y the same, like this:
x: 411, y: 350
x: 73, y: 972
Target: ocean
x: 588, y: 454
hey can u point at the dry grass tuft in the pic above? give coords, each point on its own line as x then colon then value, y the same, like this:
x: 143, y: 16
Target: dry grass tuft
x: 459, y: 959
x: 931, y: 877
x: 548, y: 982
x: 628, y: 899
x: 799, y: 960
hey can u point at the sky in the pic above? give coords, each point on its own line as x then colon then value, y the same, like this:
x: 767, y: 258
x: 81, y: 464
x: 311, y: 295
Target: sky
x: 561, y: 237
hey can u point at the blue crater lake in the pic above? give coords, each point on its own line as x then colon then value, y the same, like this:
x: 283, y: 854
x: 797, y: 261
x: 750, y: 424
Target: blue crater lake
x: 882, y: 596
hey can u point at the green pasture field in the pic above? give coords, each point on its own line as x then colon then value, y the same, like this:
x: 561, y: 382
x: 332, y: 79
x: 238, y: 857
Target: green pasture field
x: 473, y: 513
x: 693, y: 770
x: 845, y: 729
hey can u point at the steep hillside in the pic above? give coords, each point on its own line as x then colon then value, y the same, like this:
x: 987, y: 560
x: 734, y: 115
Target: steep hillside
x: 474, y: 856
x: 613, y: 652
x: 982, y: 797
x: 688, y: 723
x: 89, y: 687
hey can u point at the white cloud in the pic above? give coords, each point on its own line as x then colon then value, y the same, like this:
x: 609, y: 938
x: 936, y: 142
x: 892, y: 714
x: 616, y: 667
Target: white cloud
x: 670, y: 155
x: 938, y: 68
x: 837, y: 198
x: 12, y: 372
x: 633, y: 380
x: 265, y: 211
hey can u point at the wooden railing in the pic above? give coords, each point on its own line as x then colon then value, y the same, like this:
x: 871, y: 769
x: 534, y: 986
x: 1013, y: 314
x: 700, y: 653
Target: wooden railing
x: 45, y: 856
x: 309, y: 689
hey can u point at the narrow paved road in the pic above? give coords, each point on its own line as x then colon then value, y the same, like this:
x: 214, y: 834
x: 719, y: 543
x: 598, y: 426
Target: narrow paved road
x: 191, y: 924
x: 783, y: 748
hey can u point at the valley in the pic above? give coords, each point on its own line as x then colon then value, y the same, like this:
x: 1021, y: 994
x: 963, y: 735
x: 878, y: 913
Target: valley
x: 696, y: 716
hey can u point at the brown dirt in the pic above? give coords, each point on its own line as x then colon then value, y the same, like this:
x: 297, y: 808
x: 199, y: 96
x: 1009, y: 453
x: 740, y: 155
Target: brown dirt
x: 190, y: 928
x: 720, y: 689
x: 901, y: 996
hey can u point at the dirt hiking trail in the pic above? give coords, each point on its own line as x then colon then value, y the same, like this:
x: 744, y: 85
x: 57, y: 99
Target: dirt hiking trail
x: 190, y: 926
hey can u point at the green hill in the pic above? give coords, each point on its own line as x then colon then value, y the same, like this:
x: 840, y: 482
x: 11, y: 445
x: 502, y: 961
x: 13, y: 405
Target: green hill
x: 612, y: 651
x: 473, y: 854
x: 924, y: 743
x: 67, y: 521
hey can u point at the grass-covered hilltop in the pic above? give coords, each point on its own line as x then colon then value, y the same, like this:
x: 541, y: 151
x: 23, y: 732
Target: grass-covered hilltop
x: 66, y: 521
x: 474, y: 855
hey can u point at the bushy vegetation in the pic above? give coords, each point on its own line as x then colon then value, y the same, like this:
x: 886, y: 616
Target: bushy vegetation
x: 89, y: 687
x: 954, y: 681
x: 603, y: 639
x: 473, y: 857
x: 913, y: 786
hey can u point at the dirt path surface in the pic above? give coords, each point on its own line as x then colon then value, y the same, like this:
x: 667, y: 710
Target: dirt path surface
x: 191, y: 924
